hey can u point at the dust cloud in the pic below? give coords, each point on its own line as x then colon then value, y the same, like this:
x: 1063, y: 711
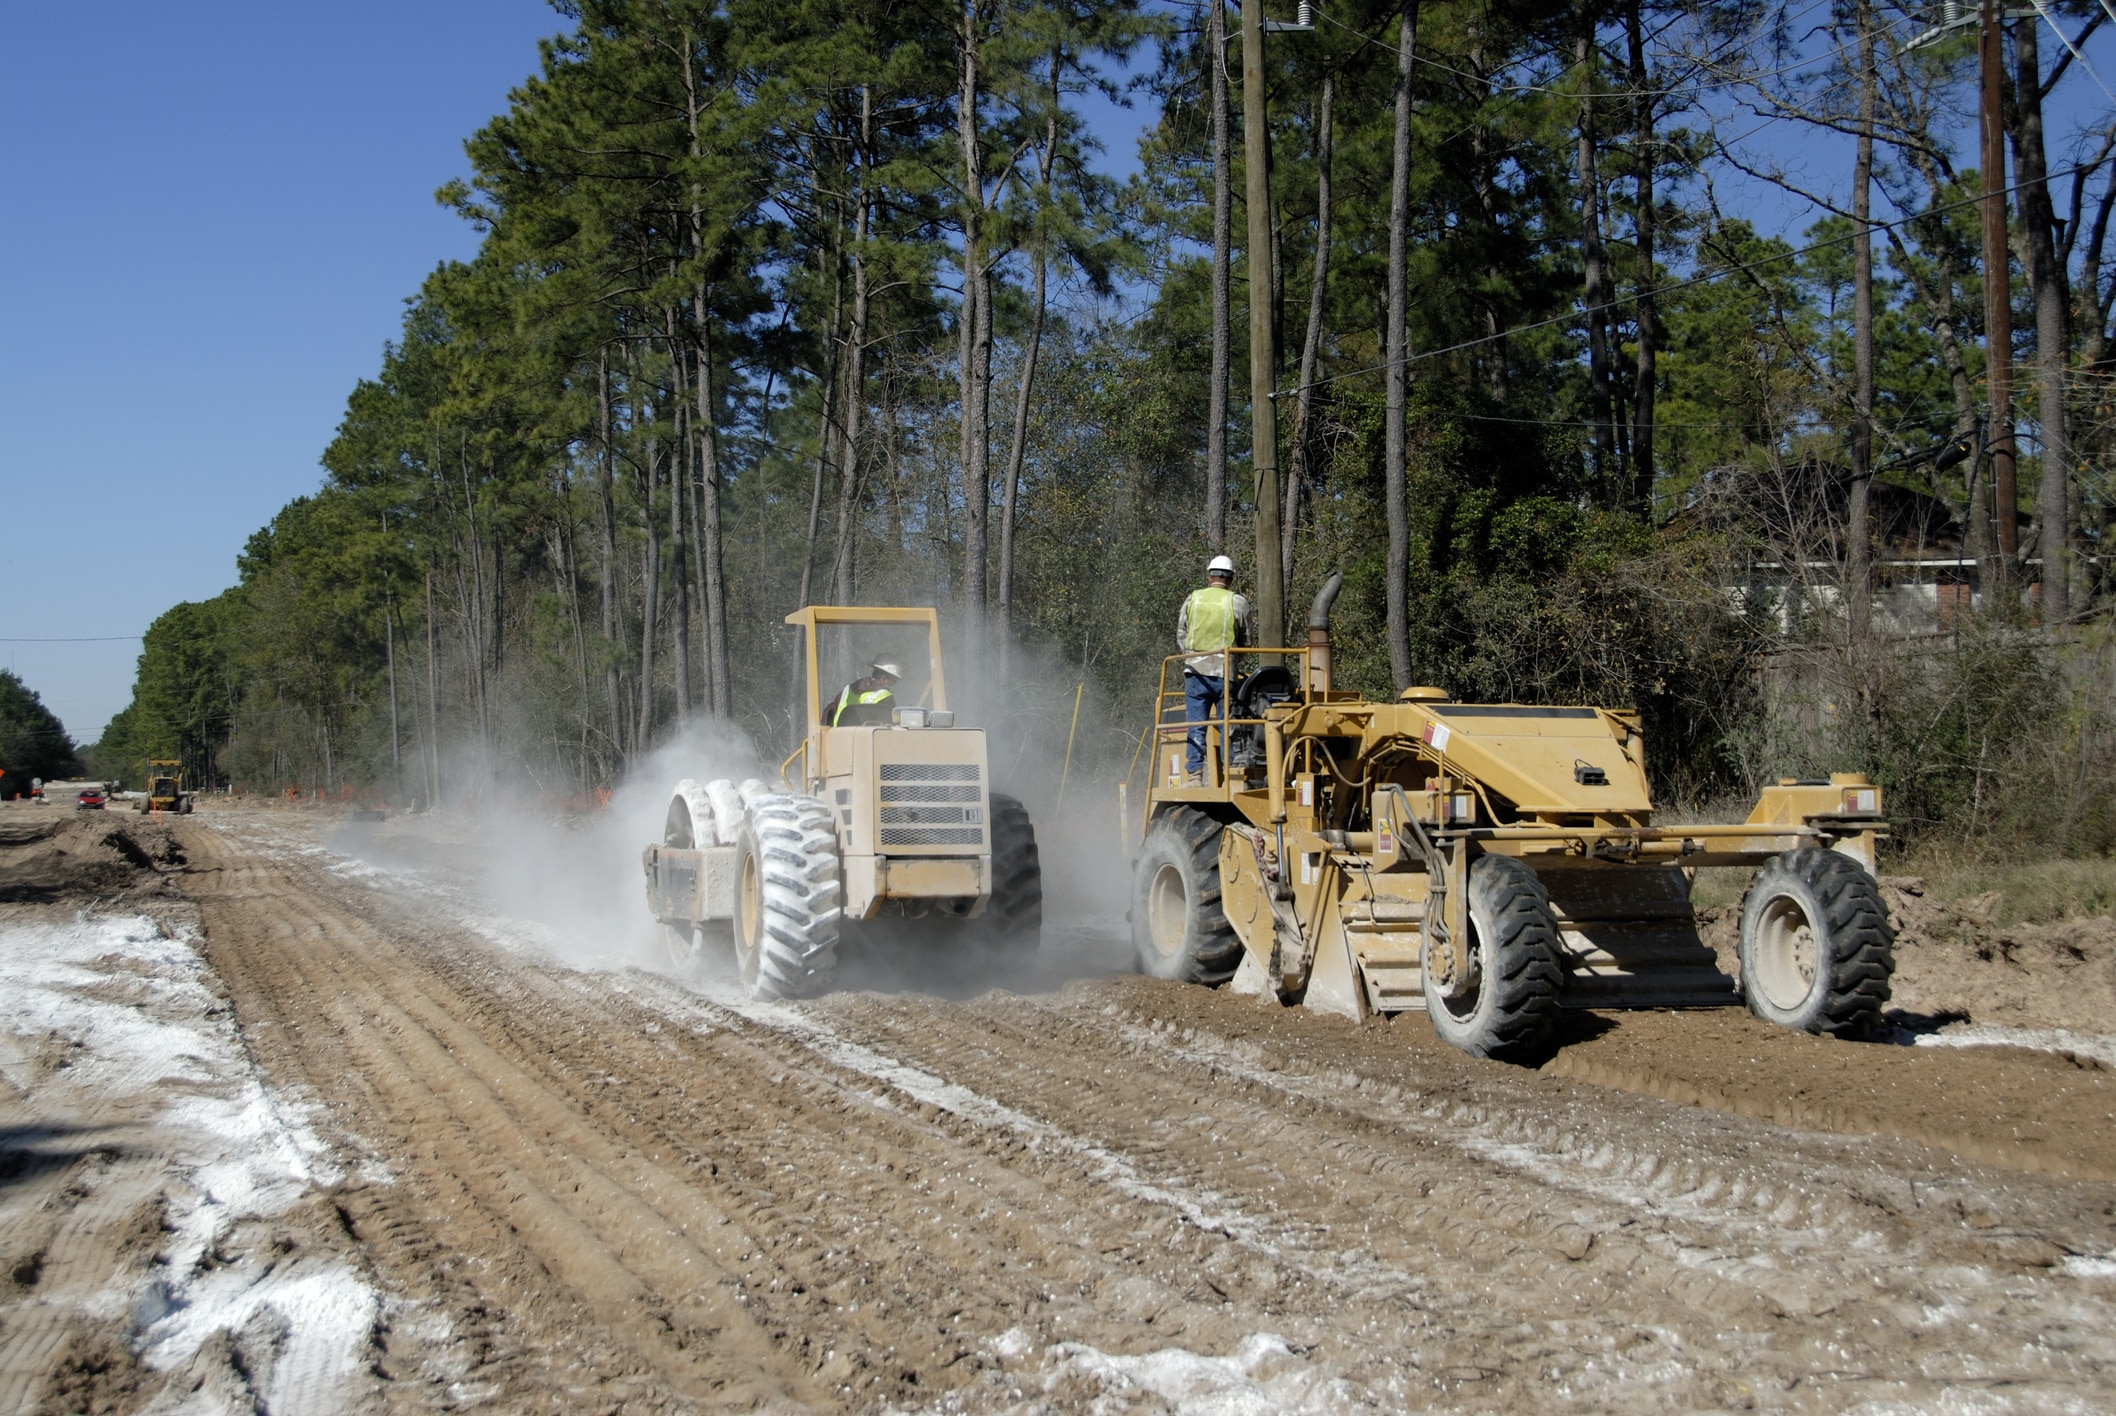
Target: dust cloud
x: 570, y: 886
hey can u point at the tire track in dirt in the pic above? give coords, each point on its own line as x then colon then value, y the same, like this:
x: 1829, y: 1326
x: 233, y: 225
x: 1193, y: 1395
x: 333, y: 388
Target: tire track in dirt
x: 1511, y: 1243
x: 857, y: 1201
x: 2010, y: 1107
x: 67, y: 1229
x: 519, y: 1154
x: 811, y: 1114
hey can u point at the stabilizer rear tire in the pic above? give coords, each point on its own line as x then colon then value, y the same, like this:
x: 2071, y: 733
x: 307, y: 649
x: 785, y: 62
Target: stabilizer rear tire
x: 1178, y: 929
x: 1013, y: 919
x: 1512, y: 1010
x: 789, y: 901
x: 1817, y: 951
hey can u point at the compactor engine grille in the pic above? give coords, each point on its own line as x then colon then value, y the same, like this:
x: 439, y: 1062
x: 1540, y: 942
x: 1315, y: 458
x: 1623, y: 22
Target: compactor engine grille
x: 932, y: 804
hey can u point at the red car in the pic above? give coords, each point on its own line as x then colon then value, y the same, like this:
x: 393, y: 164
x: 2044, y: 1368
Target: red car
x: 90, y: 800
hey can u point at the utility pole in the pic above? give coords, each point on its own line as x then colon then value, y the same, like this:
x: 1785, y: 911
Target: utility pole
x: 1263, y: 351
x: 1998, y: 303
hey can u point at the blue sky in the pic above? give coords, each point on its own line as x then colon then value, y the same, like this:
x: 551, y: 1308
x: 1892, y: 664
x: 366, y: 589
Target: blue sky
x: 213, y: 215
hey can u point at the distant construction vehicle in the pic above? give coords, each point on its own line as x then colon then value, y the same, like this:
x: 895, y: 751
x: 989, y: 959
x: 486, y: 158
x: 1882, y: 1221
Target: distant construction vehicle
x: 883, y: 825
x: 165, y: 788
x: 1488, y: 863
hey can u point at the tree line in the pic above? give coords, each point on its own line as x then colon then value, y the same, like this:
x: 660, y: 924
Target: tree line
x: 836, y: 301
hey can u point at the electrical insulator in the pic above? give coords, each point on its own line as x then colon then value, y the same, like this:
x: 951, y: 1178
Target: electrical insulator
x: 1306, y: 13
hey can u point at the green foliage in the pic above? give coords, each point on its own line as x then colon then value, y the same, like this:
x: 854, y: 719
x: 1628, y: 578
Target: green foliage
x: 33, y: 742
x: 610, y: 452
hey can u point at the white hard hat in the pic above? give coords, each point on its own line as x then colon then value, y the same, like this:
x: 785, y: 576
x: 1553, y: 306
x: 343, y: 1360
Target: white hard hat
x: 1220, y: 565
x: 890, y: 667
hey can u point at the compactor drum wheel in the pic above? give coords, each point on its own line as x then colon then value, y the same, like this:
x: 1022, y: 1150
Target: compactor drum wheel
x: 1178, y: 930
x: 681, y: 937
x: 1508, y: 1006
x: 1013, y: 919
x: 1816, y: 947
x: 788, y: 898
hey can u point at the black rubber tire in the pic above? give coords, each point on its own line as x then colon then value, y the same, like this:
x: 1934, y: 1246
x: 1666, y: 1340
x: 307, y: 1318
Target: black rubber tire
x: 789, y: 902
x: 1013, y: 918
x: 1177, y: 927
x: 1514, y: 953
x: 1831, y: 900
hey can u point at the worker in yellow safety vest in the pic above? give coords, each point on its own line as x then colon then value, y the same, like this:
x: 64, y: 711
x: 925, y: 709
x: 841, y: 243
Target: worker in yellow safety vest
x: 1214, y: 620
x: 869, y: 699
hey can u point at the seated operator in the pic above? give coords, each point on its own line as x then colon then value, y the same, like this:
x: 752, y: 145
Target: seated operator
x: 868, y: 700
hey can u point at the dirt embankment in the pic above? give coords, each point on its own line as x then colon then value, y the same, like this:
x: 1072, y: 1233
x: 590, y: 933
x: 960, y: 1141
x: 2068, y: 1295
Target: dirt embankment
x: 1954, y: 961
x: 50, y: 853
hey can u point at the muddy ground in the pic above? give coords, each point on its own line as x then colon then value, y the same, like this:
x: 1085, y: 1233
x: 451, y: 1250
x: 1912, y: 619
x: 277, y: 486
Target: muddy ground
x: 305, y: 1117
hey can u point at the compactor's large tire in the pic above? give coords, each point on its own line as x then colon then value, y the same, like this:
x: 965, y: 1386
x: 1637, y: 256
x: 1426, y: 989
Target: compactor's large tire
x: 1816, y: 947
x: 1510, y: 1007
x: 1177, y: 927
x: 789, y: 899
x: 1013, y: 919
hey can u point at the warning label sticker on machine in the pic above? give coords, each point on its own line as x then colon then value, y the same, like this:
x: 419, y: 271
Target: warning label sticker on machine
x: 1436, y: 735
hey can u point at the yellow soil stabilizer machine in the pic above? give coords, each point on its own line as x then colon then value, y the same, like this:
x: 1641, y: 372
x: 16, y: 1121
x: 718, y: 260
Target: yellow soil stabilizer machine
x: 883, y: 830
x: 1488, y: 863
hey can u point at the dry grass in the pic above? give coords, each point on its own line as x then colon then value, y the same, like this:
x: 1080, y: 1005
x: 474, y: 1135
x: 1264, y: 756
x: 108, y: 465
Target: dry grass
x: 2033, y: 892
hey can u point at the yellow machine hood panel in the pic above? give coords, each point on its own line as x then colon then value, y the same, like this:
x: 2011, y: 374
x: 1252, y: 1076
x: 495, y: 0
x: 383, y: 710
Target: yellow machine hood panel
x: 1535, y: 757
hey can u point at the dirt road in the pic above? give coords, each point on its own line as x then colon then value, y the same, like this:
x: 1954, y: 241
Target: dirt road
x: 513, y: 1183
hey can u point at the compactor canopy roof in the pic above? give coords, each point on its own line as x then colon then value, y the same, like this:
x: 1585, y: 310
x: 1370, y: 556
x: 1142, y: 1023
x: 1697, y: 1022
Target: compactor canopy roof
x: 863, y: 634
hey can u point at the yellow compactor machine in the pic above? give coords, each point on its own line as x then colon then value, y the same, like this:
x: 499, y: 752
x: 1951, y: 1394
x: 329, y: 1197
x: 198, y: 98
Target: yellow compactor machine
x: 1487, y: 863
x: 881, y: 831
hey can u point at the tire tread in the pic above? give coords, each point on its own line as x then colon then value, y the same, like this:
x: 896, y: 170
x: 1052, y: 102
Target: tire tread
x: 1862, y: 942
x: 797, y: 855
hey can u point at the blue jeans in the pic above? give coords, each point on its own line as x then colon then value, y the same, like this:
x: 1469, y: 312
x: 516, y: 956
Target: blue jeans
x: 1201, y: 701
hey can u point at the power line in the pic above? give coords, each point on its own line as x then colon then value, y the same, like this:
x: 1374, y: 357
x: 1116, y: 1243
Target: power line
x: 1706, y: 279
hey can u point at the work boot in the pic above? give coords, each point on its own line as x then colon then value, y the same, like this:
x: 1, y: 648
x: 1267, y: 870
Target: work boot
x: 1193, y: 779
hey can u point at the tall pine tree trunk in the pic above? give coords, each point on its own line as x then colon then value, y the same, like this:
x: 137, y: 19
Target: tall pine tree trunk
x: 1857, y: 532
x: 2047, y: 286
x: 396, y: 738
x: 827, y: 407
x: 1482, y: 173
x: 1311, y: 342
x: 1222, y: 259
x: 1594, y: 288
x: 853, y: 403
x: 679, y: 543
x: 612, y: 631
x: 1398, y: 357
x: 1017, y: 447
x: 713, y: 570
x: 1645, y: 372
x: 976, y: 351
x: 712, y: 573
x: 649, y: 591
x: 433, y: 699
